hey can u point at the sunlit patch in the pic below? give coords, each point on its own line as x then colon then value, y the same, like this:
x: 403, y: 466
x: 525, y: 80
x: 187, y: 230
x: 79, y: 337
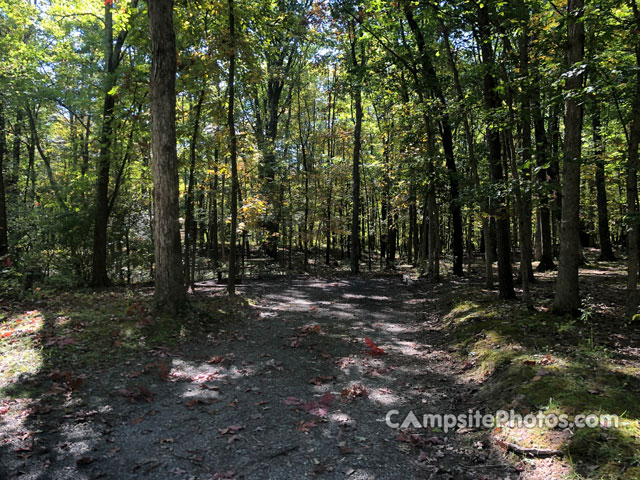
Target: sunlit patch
x: 340, y: 417
x: 19, y: 350
x: 384, y: 396
x: 408, y: 348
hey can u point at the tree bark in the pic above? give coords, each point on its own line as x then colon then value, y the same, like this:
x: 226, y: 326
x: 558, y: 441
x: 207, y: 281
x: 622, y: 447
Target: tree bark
x: 233, y: 153
x: 567, y: 298
x: 169, y: 292
x: 357, y: 71
x: 431, y: 82
x: 111, y: 61
x: 632, y: 184
x: 505, y: 276
x: 4, y: 243
x: 189, y: 222
x: 542, y: 154
x: 606, y: 252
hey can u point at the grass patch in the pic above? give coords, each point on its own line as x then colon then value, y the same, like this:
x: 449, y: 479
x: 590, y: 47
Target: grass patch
x: 84, y: 331
x: 535, y: 361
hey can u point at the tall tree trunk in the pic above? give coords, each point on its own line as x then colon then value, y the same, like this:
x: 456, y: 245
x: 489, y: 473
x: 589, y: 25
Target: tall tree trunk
x: 233, y: 153
x: 505, y: 276
x: 606, y: 252
x: 213, y: 225
x: 524, y: 183
x: 488, y: 260
x: 542, y: 158
x: 4, y: 243
x: 112, y: 52
x: 189, y: 222
x: 169, y: 292
x: 567, y: 298
x: 632, y: 183
x: 358, y: 67
x: 430, y: 81
x: 17, y: 143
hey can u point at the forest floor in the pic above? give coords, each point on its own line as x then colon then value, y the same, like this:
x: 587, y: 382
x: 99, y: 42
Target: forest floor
x: 280, y: 382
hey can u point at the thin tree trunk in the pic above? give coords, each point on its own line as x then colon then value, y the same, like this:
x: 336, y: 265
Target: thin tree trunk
x: 505, y: 278
x: 233, y: 153
x: 189, y: 222
x: 606, y: 252
x: 112, y: 57
x: 431, y: 81
x: 358, y: 68
x: 4, y: 243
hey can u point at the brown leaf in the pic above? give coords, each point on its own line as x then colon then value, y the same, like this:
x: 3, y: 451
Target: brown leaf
x: 163, y: 374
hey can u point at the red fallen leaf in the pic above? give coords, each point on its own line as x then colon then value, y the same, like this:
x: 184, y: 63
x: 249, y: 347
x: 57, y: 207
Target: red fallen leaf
x: 292, y: 401
x: 163, y: 374
x: 261, y: 402
x: 373, y: 347
x: 230, y: 429
x: 137, y: 420
x: 6, y: 334
x: 229, y: 474
x: 85, y: 460
x: 319, y: 411
x: 216, y: 359
x: 4, y: 410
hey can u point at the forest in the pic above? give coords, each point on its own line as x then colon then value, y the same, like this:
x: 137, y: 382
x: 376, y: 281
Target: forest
x: 291, y: 217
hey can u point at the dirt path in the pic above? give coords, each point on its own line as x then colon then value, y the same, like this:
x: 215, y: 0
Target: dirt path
x: 290, y: 391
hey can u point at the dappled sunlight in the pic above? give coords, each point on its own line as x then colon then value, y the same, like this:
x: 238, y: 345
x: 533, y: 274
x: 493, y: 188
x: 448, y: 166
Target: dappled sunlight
x: 20, y: 346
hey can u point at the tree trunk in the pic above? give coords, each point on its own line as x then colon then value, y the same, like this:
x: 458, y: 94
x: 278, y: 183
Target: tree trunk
x: 632, y: 184
x: 542, y: 158
x: 189, y: 222
x: 357, y: 97
x: 431, y: 82
x: 112, y: 51
x: 4, y: 243
x: 169, y: 292
x: 606, y: 252
x: 233, y: 153
x: 505, y: 277
x: 567, y: 298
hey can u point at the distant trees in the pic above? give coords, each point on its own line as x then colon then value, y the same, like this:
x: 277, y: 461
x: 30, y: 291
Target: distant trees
x: 362, y: 135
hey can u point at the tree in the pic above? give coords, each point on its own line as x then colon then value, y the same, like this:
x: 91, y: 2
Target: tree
x: 4, y: 243
x: 567, y: 298
x: 169, y: 292
x: 505, y: 276
x: 233, y: 154
x: 112, y: 59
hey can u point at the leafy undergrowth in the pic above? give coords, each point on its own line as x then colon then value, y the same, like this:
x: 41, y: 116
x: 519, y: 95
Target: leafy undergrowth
x: 534, y: 361
x: 84, y: 331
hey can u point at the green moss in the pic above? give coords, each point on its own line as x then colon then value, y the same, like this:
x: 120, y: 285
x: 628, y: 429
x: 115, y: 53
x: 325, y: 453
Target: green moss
x: 533, y: 361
